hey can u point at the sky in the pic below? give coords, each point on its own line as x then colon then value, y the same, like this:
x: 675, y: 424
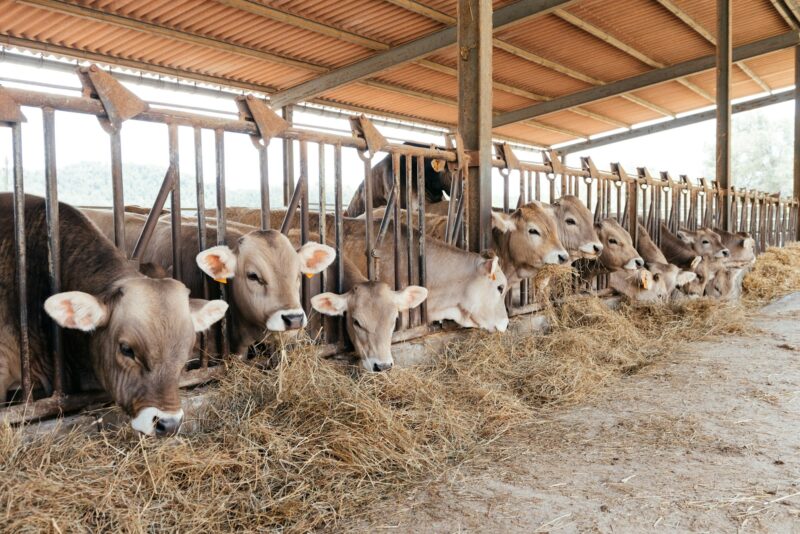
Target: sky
x: 80, y: 138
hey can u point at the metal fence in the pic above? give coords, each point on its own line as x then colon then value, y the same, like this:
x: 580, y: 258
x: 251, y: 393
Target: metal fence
x: 613, y: 193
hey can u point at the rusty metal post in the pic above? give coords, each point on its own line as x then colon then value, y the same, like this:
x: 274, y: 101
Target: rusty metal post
x: 338, y: 230
x: 53, y: 240
x: 202, y: 238
x: 724, y: 58
x: 174, y: 163
x: 304, y: 219
x: 219, y: 149
x: 475, y: 114
x: 22, y: 263
x: 423, y: 268
x: 288, y: 158
x: 796, y: 189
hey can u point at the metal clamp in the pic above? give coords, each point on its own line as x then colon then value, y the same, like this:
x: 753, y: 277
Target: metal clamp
x: 363, y: 128
x: 119, y: 103
x: 10, y: 112
x: 268, y: 123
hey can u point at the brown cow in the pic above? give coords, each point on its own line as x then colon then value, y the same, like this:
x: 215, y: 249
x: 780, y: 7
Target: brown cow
x: 133, y: 332
x: 672, y: 275
x: 741, y: 245
x: 618, y: 252
x: 262, y: 270
x: 705, y: 242
x: 576, y: 228
x: 640, y: 285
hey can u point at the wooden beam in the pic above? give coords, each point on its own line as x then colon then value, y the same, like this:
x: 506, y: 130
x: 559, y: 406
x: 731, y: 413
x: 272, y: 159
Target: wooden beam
x: 520, y: 10
x: 649, y: 105
x: 555, y: 129
x: 425, y: 11
x: 631, y: 51
x: 792, y: 6
x: 271, y: 13
x: 89, y: 13
x: 780, y: 7
x: 474, y: 115
x: 724, y: 60
x: 666, y: 125
x: 698, y: 28
x: 647, y: 79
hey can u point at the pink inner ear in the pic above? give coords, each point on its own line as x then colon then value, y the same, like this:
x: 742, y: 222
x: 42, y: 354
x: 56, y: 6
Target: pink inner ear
x: 215, y: 264
x: 69, y: 313
x: 316, y: 258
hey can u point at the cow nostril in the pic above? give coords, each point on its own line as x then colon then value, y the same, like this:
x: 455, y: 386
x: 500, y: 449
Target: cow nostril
x: 563, y: 258
x: 726, y: 252
x: 167, y: 427
x: 598, y: 248
x: 379, y: 367
x: 639, y: 262
x: 292, y: 320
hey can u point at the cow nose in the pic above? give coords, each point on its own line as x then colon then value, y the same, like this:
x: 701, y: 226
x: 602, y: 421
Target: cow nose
x: 292, y: 321
x: 639, y: 262
x: 563, y: 258
x: 167, y: 426
x: 726, y: 252
x: 380, y: 367
x: 598, y: 248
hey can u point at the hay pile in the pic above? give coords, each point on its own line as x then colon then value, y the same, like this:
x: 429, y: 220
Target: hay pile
x: 309, y: 443
x: 775, y: 274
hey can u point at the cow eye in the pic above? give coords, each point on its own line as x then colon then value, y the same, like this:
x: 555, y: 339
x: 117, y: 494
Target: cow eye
x: 699, y: 277
x: 533, y: 231
x: 613, y: 241
x: 571, y: 222
x: 706, y: 242
x: 126, y: 350
x: 656, y: 277
x: 255, y: 278
x: 500, y: 289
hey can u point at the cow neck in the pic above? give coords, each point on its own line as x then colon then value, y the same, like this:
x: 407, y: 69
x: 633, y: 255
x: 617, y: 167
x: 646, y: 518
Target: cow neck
x: 502, y: 247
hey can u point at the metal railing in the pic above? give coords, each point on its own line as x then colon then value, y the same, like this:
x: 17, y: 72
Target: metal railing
x: 613, y: 193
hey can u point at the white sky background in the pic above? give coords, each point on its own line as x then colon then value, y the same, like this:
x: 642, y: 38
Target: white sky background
x: 79, y: 138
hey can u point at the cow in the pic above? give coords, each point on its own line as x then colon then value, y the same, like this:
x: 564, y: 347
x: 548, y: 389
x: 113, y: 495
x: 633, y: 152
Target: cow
x: 437, y: 182
x: 741, y: 245
x: 261, y: 269
x: 576, y: 230
x: 706, y: 267
x: 618, y: 252
x: 134, y: 333
x: 639, y: 285
x: 705, y: 242
x: 672, y: 276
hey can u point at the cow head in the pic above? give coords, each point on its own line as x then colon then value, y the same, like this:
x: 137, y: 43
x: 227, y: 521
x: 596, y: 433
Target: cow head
x: 694, y: 287
x: 741, y: 245
x: 528, y: 239
x: 267, y: 270
x: 618, y: 252
x: 143, y: 331
x: 576, y: 228
x: 704, y: 242
x: 640, y: 285
x: 371, y: 310
x: 721, y: 284
x: 670, y: 275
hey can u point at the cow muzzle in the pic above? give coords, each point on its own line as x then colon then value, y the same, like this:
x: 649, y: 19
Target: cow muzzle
x: 591, y: 250
x: 377, y: 365
x: 633, y: 264
x: 152, y: 421
x: 724, y: 253
x: 556, y: 257
x: 284, y: 320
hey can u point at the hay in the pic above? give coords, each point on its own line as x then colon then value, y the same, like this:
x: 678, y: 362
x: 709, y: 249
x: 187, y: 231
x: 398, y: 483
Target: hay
x: 775, y: 274
x: 309, y: 443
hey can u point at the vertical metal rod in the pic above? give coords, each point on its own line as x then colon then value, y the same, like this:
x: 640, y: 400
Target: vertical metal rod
x: 304, y: 219
x: 118, y: 200
x: 409, y: 229
x: 338, y: 230
x: 423, y: 270
x: 796, y: 188
x: 263, y: 168
x: 724, y: 57
x: 20, y: 250
x: 219, y: 148
x: 53, y: 240
x: 323, y: 208
x: 288, y: 158
x: 398, y: 273
x: 368, y: 217
x: 202, y: 241
x: 174, y: 163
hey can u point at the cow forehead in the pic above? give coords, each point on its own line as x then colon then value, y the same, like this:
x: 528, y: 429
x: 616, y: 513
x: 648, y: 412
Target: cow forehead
x: 373, y: 299
x: 145, y: 302
x: 533, y: 213
x: 267, y: 249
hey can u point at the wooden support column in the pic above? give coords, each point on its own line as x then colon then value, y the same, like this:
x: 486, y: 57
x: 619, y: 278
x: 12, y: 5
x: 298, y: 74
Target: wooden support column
x: 475, y: 114
x: 724, y: 59
x: 796, y: 189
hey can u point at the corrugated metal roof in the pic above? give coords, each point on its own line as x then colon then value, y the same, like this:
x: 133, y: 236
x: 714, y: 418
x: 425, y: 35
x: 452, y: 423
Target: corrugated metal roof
x: 272, y: 45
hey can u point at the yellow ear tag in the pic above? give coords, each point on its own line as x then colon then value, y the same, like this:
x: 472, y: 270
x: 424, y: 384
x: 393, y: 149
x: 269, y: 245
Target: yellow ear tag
x: 221, y: 280
x: 309, y: 275
x: 438, y: 165
x: 494, y: 277
x: 645, y: 281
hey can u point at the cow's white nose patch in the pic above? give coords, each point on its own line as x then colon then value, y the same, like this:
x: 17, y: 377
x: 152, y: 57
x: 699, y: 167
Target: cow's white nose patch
x: 276, y: 322
x: 145, y: 420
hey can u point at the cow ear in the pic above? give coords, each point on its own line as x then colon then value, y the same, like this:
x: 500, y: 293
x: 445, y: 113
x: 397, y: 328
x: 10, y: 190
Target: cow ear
x: 684, y: 277
x: 503, y: 221
x: 206, y: 312
x: 217, y: 262
x: 748, y: 242
x: 315, y: 258
x: 437, y: 165
x: 696, y: 261
x: 329, y: 303
x: 488, y: 267
x: 685, y: 236
x: 76, y: 309
x: 410, y: 297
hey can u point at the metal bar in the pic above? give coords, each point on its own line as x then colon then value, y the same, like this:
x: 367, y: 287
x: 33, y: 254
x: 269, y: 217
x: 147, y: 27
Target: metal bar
x: 263, y: 171
x: 510, y: 14
x: 288, y: 158
x: 388, y: 214
x: 338, y: 230
x: 409, y: 231
x: 323, y: 209
x: 118, y: 200
x: 398, y: 275
x: 202, y: 239
x: 423, y: 269
x: 796, y: 94
x: 20, y: 251
x: 153, y: 216
x: 368, y: 216
x: 219, y: 149
x: 177, y: 236
x: 304, y: 223
x: 53, y: 242
x: 292, y: 208
x: 695, y: 118
x: 646, y: 79
x: 724, y: 58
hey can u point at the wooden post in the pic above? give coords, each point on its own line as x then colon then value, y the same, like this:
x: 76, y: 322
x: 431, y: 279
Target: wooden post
x: 796, y: 189
x: 475, y: 114
x: 724, y: 58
